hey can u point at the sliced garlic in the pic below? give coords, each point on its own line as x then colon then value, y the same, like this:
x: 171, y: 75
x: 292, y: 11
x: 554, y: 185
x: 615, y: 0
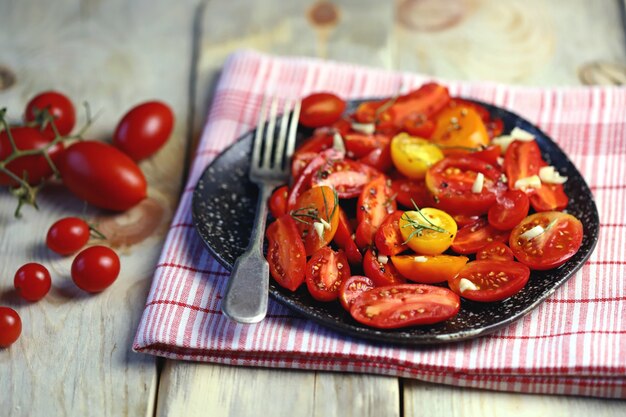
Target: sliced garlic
x: 503, y: 141
x: 367, y: 128
x: 529, y: 182
x: 338, y: 144
x: 420, y: 259
x: 532, y: 233
x: 325, y: 223
x: 465, y: 284
x: 521, y: 134
x: 550, y: 175
x: 477, y: 187
x: 319, y: 228
x: 382, y: 259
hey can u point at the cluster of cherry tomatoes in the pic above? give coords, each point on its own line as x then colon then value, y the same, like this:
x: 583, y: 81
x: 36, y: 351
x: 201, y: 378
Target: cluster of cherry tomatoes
x: 104, y: 175
x: 479, y: 209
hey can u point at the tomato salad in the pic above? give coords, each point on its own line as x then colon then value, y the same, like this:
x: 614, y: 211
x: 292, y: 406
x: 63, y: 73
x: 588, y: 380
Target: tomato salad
x: 406, y: 206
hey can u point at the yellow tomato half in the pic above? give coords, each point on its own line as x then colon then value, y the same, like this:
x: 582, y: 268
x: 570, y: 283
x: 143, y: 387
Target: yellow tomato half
x: 429, y: 231
x: 413, y: 156
x: 429, y: 269
x: 460, y: 127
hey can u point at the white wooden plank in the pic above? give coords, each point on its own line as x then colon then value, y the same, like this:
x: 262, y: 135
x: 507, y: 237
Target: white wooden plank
x: 195, y: 389
x: 533, y: 42
x: 74, y: 356
x: 423, y: 399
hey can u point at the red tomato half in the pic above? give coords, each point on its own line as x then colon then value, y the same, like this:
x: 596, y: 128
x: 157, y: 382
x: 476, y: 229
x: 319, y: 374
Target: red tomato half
x: 451, y: 180
x: 408, y: 191
x: 321, y: 109
x: 375, y: 203
x: 346, y: 176
x: 396, y: 306
x: 388, y: 239
x: 559, y: 239
x: 144, y: 129
x: 60, y: 108
x: 34, y: 168
x: 344, y: 239
x: 102, y: 175
x: 511, y: 208
x: 303, y: 181
x: 381, y: 273
x: 496, y: 251
x: 473, y: 237
x: 490, y: 280
x: 285, y: 253
x: 351, y: 288
x: 325, y: 272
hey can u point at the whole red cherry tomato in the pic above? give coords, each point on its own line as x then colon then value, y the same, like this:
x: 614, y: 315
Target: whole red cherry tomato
x: 67, y: 235
x: 102, y: 175
x: 95, y: 268
x: 32, y: 281
x: 10, y: 326
x: 144, y: 129
x: 60, y: 108
x: 321, y: 109
x: 34, y: 167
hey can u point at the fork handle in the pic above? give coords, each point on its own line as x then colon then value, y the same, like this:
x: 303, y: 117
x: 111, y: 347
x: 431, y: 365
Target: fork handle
x: 247, y: 290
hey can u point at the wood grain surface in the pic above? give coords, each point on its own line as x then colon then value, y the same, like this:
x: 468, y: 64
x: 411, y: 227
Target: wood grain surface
x: 74, y: 355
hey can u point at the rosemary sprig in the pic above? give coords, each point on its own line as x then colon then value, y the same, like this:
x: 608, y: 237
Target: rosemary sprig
x: 418, y: 228
x: 311, y: 212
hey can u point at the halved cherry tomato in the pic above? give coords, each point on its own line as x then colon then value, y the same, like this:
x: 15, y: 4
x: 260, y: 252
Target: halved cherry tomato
x: 396, y: 306
x: 285, y: 252
x: 316, y: 143
x: 490, y: 154
x: 428, y: 269
x: 494, y: 128
x: 321, y: 109
x: 359, y: 145
x: 511, y: 208
x: 413, y: 156
x: 375, y: 203
x: 351, y: 288
x: 451, y: 181
x: 496, y: 251
x: 463, y: 220
x: 381, y: 273
x: 427, y: 100
x: 419, y: 125
x: 549, y: 197
x: 303, y: 181
x: 299, y: 161
x: 558, y: 238
x: 490, y: 280
x: 379, y: 158
x: 522, y: 160
x: 346, y: 176
x: 343, y: 238
x: 428, y: 231
x: 378, y: 112
x: 278, y: 201
x: 325, y: 272
x: 460, y: 127
x: 315, y: 205
x: 388, y: 238
x: 410, y: 191
x: 475, y: 236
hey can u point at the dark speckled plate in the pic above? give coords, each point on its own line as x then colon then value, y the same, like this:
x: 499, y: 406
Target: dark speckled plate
x: 223, y: 209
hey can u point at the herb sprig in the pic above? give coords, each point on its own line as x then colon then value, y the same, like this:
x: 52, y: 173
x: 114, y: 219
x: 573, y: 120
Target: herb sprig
x: 418, y: 228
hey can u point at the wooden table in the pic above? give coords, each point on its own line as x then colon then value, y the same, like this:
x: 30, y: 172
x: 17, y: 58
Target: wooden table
x: 74, y: 357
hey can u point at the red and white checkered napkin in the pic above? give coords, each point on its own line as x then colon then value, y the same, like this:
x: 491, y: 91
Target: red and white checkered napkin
x: 574, y: 343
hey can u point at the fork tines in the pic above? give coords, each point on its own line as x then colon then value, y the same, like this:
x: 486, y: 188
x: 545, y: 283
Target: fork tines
x: 280, y: 147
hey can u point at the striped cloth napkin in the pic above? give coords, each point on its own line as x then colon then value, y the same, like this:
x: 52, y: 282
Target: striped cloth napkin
x: 573, y: 344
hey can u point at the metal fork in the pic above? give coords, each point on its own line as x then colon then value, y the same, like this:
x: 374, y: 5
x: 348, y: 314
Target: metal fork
x: 247, y: 291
